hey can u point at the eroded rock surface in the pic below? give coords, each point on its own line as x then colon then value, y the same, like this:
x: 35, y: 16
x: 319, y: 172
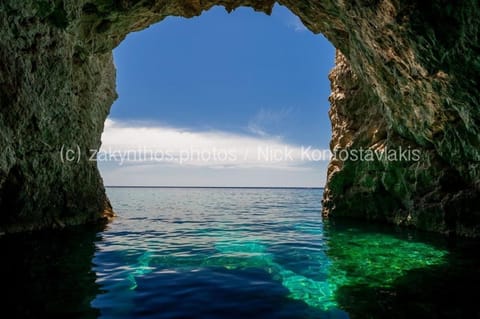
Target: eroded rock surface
x: 408, y: 76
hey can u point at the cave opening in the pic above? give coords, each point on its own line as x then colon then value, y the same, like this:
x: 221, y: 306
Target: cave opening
x: 235, y: 99
x: 214, y: 115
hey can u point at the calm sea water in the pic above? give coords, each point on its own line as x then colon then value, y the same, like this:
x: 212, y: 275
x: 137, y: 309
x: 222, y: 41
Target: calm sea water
x: 236, y: 253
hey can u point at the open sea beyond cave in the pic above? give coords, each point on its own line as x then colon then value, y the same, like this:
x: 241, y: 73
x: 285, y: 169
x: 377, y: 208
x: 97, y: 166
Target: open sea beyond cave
x: 236, y: 253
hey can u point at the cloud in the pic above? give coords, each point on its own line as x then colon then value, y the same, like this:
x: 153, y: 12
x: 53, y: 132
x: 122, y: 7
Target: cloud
x: 147, y: 154
x: 267, y: 119
x: 134, y: 144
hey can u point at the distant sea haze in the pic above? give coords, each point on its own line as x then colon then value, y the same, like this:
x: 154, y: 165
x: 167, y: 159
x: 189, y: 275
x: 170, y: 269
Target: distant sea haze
x: 213, y: 187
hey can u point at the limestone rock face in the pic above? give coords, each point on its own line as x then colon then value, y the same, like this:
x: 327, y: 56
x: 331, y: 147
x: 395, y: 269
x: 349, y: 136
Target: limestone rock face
x: 410, y: 185
x: 407, y: 75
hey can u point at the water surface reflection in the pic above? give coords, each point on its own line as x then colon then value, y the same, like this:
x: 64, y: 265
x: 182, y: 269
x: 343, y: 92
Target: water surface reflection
x: 196, y: 253
x: 49, y: 274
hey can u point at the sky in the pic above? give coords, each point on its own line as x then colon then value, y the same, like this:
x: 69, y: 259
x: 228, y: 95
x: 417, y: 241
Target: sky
x: 237, y: 99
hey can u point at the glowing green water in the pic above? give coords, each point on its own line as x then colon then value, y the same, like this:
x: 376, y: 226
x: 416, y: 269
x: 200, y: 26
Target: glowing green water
x: 236, y: 254
x: 375, y: 260
x: 279, y: 232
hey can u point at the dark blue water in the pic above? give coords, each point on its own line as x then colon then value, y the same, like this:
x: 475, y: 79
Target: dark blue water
x: 236, y: 253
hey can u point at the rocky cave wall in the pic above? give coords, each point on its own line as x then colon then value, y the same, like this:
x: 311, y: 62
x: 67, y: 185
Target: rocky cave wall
x: 406, y: 75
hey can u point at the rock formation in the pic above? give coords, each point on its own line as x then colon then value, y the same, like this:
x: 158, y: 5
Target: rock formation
x: 407, y: 75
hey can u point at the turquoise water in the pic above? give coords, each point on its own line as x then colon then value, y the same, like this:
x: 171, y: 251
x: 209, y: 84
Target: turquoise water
x: 236, y: 253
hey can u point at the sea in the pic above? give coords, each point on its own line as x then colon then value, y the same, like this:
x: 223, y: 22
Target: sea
x: 241, y: 253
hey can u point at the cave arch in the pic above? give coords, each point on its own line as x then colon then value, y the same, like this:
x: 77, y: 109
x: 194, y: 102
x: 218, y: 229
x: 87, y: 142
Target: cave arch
x: 406, y: 76
x: 186, y: 85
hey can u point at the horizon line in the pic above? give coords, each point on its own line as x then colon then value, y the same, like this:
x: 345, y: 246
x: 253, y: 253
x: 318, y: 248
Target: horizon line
x: 233, y: 187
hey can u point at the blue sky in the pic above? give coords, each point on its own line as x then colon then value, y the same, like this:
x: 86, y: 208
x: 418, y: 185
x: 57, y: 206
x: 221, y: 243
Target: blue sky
x: 242, y: 80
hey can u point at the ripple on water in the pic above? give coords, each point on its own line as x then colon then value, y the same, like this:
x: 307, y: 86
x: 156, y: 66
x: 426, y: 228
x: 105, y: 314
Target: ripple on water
x: 230, y: 253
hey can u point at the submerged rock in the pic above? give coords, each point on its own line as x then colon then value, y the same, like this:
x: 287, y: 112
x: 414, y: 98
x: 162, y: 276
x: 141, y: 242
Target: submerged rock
x: 406, y: 76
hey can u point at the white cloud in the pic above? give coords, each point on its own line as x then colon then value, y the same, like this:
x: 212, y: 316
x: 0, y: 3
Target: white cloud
x: 266, y: 119
x: 142, y: 154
